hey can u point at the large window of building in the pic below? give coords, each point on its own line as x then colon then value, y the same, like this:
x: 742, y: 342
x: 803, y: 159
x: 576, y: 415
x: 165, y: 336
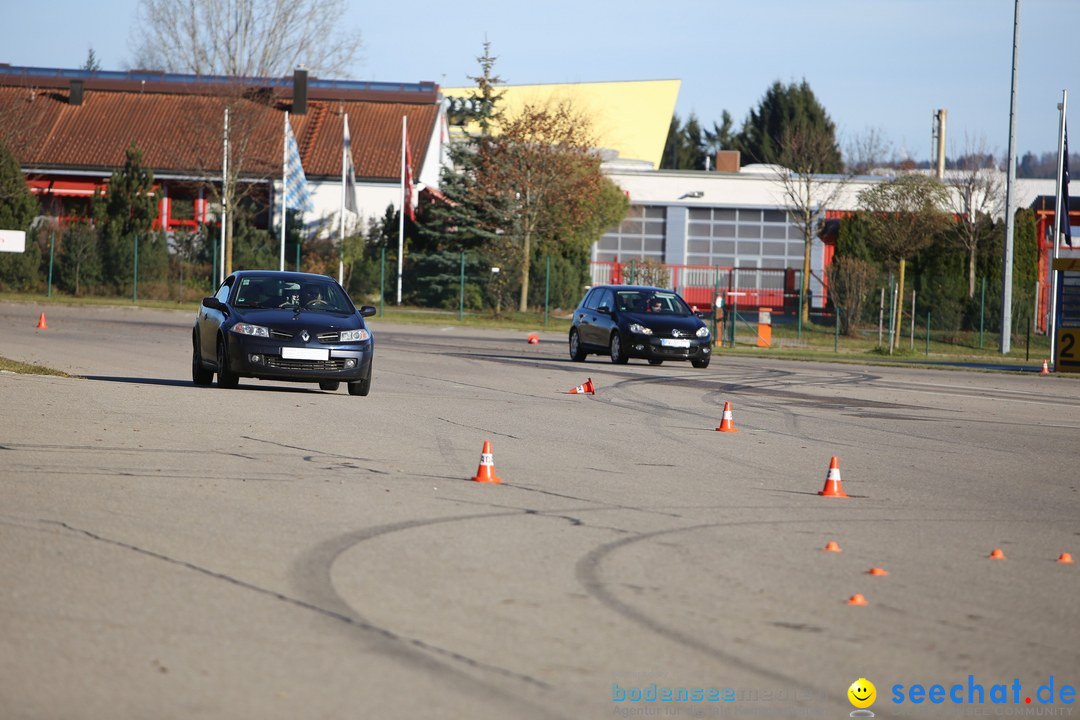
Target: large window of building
x: 639, y: 237
x: 742, y: 237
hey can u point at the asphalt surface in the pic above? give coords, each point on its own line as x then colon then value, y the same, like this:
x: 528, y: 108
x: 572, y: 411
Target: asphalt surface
x: 275, y: 551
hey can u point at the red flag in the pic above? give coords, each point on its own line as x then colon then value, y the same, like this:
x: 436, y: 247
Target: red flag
x: 410, y: 210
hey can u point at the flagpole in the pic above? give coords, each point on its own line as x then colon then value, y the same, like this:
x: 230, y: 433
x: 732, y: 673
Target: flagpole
x: 1063, y: 106
x: 341, y: 237
x: 284, y: 170
x: 224, y: 202
x: 401, y: 215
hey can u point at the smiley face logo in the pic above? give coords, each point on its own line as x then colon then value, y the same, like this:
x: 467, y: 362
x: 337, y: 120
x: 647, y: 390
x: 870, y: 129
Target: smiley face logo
x: 862, y: 693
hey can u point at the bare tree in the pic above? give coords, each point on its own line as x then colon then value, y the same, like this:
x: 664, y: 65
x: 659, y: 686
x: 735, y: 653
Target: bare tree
x: 849, y: 282
x: 243, y: 38
x: 804, y: 151
x: 903, y: 215
x: 977, y: 197
x: 868, y: 151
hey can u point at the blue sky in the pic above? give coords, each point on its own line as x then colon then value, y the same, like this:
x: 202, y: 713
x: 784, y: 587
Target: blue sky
x: 883, y: 64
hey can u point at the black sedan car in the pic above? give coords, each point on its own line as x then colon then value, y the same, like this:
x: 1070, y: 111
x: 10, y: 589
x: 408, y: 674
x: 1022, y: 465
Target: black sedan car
x: 287, y: 326
x: 625, y: 321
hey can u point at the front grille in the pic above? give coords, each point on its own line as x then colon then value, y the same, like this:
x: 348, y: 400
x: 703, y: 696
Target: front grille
x: 279, y: 363
x: 279, y: 335
x: 328, y: 337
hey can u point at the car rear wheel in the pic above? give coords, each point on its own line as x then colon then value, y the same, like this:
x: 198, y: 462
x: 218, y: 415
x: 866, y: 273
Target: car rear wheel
x: 618, y: 355
x: 199, y: 374
x: 701, y: 362
x: 329, y: 385
x: 225, y: 377
x: 577, y: 353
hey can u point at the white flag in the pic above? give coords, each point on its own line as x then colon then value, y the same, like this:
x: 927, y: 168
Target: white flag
x: 297, y: 194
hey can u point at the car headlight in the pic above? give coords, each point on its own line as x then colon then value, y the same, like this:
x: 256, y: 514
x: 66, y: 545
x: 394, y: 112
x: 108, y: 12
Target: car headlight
x: 249, y: 329
x: 354, y: 335
x: 639, y: 329
x: 703, y: 331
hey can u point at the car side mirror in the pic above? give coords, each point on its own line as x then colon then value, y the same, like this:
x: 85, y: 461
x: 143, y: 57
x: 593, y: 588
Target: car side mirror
x: 213, y: 303
x: 368, y: 310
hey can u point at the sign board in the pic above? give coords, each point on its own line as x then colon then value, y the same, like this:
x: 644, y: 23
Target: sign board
x: 1067, y: 348
x: 12, y: 241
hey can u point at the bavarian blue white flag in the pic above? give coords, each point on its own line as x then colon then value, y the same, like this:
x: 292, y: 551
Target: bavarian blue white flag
x: 297, y: 194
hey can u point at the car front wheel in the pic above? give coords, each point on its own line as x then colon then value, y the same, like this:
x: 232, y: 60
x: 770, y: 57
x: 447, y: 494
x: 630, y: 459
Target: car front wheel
x: 618, y: 354
x: 701, y: 362
x: 362, y: 386
x: 225, y: 377
x: 329, y: 385
x: 577, y: 353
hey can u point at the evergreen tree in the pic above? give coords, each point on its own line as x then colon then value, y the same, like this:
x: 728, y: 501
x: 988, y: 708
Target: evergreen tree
x: 783, y: 112
x: 18, y: 208
x: 127, y: 210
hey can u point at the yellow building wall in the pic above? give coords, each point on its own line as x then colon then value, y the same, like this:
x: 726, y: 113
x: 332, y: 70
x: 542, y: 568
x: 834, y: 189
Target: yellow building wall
x: 631, y: 117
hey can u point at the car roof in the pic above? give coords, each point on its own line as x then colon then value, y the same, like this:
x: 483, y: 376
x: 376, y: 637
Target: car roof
x: 282, y: 275
x: 642, y: 288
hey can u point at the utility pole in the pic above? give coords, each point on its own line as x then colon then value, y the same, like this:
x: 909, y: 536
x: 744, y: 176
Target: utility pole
x: 1010, y: 182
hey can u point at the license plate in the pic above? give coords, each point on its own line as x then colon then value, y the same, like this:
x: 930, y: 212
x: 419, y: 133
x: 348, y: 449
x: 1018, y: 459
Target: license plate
x: 666, y: 342
x: 293, y: 353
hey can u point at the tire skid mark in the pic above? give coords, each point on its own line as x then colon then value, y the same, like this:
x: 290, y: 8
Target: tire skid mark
x: 343, y: 613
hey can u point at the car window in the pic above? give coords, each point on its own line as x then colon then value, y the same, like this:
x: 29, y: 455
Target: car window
x: 630, y: 300
x: 223, y: 292
x: 606, y: 300
x: 666, y: 304
x: 589, y: 303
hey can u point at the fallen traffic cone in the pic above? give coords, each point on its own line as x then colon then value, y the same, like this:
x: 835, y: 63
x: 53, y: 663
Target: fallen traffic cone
x: 41, y: 323
x: 534, y: 339
x: 833, y: 485
x: 1065, y: 558
x: 588, y: 387
x: 486, y: 472
x: 1046, y: 368
x: 832, y: 546
x: 726, y: 422
x: 996, y: 554
x: 877, y: 572
x: 857, y: 599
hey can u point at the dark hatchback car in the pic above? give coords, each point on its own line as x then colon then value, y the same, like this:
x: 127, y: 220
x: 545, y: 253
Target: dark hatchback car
x: 287, y: 326
x: 625, y: 321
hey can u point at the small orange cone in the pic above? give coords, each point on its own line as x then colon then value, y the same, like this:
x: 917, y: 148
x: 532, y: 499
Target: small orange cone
x: 486, y: 472
x: 996, y: 554
x: 857, y: 599
x: 588, y: 387
x: 1065, y: 558
x: 727, y: 424
x: 1046, y: 368
x: 832, y: 546
x: 41, y: 323
x: 534, y: 339
x: 833, y: 485
x: 877, y: 572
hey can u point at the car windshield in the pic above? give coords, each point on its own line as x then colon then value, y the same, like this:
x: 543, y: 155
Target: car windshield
x: 645, y: 301
x: 270, y: 292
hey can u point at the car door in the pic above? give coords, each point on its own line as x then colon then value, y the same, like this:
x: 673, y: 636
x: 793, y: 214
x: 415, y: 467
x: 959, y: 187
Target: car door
x: 210, y: 321
x: 583, y: 316
x: 602, y: 317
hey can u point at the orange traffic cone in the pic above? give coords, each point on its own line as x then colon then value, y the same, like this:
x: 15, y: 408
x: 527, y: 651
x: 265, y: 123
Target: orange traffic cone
x: 1065, y: 558
x: 996, y: 554
x: 41, y: 323
x: 726, y: 422
x: 588, y: 387
x: 534, y: 339
x: 877, y: 572
x: 1046, y: 368
x: 857, y: 599
x: 832, y: 546
x: 833, y: 486
x: 486, y: 472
